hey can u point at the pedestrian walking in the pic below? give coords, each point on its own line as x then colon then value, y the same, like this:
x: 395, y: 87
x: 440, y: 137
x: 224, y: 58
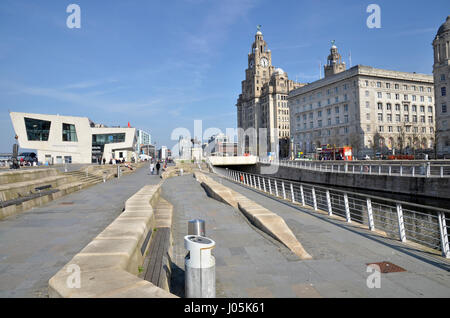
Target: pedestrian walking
x: 158, y: 166
x: 152, y: 168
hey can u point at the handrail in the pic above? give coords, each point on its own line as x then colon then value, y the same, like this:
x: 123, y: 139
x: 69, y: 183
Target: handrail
x: 425, y: 169
x: 425, y: 224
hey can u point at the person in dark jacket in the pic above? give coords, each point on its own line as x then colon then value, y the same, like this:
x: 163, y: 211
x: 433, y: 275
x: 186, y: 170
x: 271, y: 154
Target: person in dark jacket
x: 158, y: 166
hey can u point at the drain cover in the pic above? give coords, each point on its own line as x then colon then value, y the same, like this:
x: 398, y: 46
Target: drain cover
x: 386, y: 267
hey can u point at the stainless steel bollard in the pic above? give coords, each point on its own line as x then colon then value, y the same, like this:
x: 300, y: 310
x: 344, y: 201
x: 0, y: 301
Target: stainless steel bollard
x: 196, y: 227
x: 200, y: 267
x: 118, y: 171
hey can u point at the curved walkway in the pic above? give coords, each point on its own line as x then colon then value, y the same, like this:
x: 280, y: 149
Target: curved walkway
x: 249, y: 264
x: 36, y: 244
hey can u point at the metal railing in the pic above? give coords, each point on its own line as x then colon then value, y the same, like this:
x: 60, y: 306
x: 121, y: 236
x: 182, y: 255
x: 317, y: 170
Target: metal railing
x: 424, y: 169
x: 400, y: 220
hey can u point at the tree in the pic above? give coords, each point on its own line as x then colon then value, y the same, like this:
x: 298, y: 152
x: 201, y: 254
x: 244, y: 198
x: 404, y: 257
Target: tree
x: 376, y: 143
x: 355, y: 141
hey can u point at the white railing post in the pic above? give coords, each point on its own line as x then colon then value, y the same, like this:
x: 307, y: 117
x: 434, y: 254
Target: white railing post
x: 276, y: 188
x: 346, y: 167
x: 292, y: 193
x: 353, y: 168
x: 442, y: 171
x: 302, y: 194
x: 370, y: 214
x: 270, y: 187
x: 444, y: 235
x: 414, y: 171
x: 330, y: 209
x: 284, y: 190
x: 264, y: 185
x: 428, y: 169
x: 379, y: 169
x: 390, y: 170
x: 401, y: 223
x: 347, y: 209
x: 259, y: 183
x: 401, y: 170
x: 254, y: 181
x: 370, y: 169
x: 313, y: 191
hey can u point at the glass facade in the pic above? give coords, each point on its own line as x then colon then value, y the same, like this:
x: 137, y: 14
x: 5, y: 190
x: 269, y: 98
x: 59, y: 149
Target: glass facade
x: 37, y: 130
x: 69, y: 133
x: 108, y: 139
x: 100, y: 140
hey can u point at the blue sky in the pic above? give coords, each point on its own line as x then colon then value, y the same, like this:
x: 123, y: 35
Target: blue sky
x: 162, y: 64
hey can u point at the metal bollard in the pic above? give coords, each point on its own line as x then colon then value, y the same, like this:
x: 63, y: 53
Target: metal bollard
x: 196, y: 227
x: 118, y: 172
x: 200, y: 267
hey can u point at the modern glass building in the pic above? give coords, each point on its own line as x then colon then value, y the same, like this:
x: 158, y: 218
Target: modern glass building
x: 66, y: 139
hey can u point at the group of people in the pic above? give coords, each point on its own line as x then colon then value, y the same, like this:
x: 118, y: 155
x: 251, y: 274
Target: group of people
x: 153, y: 166
x: 157, y: 166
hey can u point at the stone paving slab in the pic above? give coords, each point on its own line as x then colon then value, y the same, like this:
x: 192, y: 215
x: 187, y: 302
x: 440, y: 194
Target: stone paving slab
x: 248, y: 264
x: 38, y: 243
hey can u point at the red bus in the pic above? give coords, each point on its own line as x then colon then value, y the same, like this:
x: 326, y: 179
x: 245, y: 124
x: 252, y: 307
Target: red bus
x: 338, y: 153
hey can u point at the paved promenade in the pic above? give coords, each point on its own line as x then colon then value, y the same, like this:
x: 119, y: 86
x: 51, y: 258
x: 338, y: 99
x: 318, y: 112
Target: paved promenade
x: 250, y: 264
x: 35, y: 244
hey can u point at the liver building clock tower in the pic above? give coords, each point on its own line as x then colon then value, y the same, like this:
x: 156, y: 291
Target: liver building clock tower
x: 263, y: 101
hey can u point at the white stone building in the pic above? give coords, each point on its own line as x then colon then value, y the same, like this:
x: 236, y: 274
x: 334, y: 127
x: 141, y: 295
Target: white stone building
x: 441, y: 71
x: 370, y: 109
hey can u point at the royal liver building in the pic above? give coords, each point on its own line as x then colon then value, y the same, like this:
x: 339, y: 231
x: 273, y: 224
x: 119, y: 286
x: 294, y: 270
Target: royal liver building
x: 262, y: 107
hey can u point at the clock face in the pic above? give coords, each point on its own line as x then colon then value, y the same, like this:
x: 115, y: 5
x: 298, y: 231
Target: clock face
x: 264, y: 62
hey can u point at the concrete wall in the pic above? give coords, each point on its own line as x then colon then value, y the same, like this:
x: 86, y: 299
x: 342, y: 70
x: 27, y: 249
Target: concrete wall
x: 428, y: 187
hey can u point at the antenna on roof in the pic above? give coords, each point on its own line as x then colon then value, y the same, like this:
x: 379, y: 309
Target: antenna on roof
x: 320, y: 70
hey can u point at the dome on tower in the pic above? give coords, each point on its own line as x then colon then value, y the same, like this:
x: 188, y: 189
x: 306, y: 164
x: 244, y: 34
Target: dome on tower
x: 444, y: 27
x: 279, y: 71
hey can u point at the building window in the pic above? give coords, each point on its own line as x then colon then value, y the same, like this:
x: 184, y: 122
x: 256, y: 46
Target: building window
x: 345, y: 108
x: 397, y: 107
x: 380, y: 118
x: 406, y: 108
x: 444, y: 108
x: 443, y: 91
x: 368, y: 116
x: 103, y: 139
x: 430, y: 109
x: 388, y: 106
x: 381, y: 128
x: 414, y: 108
x: 37, y: 130
x: 69, y: 133
x: 380, y: 95
x: 380, y: 106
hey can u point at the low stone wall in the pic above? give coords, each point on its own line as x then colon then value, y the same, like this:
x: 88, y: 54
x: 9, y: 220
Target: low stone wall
x: 26, y: 175
x: 109, y: 265
x: 261, y: 217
